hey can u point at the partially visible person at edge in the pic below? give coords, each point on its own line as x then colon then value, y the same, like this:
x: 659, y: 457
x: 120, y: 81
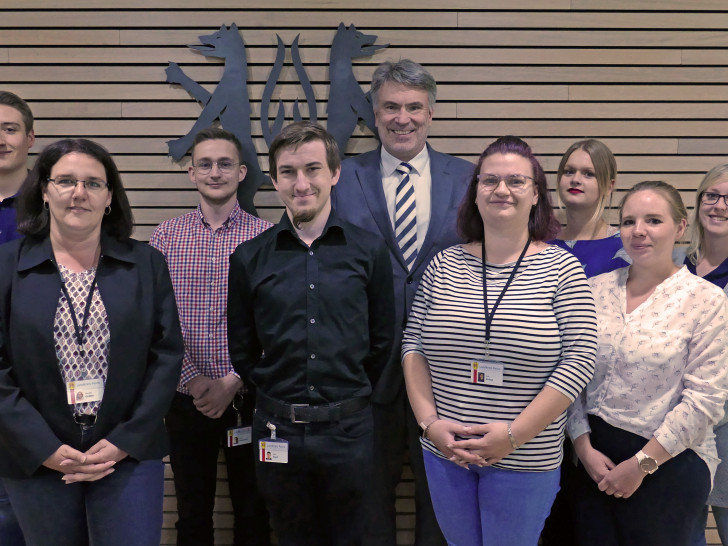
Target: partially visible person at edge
x: 643, y: 428
x: 707, y: 257
x: 500, y: 341
x: 585, y: 182
x: 211, y: 408
x: 90, y: 354
x: 310, y: 324
x: 16, y: 138
x: 404, y: 182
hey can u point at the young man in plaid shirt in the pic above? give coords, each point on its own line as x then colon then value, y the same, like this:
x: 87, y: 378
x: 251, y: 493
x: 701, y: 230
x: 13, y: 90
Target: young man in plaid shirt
x: 212, y: 406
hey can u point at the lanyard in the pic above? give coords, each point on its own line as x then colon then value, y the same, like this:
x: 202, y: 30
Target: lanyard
x: 80, y: 332
x: 489, y: 316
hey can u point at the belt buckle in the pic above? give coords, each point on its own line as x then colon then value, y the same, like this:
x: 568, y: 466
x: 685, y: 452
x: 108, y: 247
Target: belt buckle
x: 293, y: 413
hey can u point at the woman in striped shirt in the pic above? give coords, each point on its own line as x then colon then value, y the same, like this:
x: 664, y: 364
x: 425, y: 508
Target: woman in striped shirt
x: 490, y: 384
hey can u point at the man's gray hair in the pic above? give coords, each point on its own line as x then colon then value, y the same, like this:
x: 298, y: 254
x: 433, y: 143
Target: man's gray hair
x: 407, y: 73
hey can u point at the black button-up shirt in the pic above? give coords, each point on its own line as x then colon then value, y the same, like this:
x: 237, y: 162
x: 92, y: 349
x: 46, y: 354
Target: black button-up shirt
x: 311, y: 325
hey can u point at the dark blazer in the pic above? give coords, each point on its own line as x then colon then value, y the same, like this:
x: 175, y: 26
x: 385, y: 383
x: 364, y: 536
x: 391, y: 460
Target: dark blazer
x: 145, y: 354
x: 359, y: 198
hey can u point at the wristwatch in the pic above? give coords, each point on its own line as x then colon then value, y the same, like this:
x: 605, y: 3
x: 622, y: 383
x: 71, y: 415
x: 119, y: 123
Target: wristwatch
x: 647, y: 464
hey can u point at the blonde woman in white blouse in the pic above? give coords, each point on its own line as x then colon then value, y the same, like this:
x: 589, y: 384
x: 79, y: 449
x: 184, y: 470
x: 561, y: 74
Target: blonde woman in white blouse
x: 643, y: 428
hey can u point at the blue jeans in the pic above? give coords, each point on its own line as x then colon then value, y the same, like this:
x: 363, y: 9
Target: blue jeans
x: 10, y: 534
x: 489, y: 506
x: 120, y: 509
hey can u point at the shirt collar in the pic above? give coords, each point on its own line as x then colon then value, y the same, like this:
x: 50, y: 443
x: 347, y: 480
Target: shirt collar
x: 235, y: 217
x: 334, y: 228
x: 389, y: 163
x: 37, y: 250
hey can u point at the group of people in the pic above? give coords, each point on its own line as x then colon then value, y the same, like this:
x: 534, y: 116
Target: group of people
x: 407, y: 301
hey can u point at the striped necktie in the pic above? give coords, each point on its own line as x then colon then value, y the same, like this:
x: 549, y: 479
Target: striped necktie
x: 405, y: 217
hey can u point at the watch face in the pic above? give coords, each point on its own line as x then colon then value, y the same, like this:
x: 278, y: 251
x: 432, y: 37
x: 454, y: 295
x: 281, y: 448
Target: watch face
x: 648, y: 465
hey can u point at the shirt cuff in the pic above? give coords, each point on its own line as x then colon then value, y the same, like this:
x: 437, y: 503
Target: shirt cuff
x: 669, y: 441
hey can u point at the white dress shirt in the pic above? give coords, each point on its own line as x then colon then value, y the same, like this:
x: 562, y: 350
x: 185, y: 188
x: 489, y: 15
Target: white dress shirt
x: 661, y: 370
x: 421, y: 180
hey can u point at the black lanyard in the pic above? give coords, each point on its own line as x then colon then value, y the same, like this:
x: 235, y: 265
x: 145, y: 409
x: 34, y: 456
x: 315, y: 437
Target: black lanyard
x: 80, y: 332
x: 489, y: 316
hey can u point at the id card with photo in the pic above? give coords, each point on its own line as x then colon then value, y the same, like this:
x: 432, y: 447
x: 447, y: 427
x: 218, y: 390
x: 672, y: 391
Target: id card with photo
x: 487, y: 372
x: 239, y: 436
x: 85, y: 390
x: 273, y: 451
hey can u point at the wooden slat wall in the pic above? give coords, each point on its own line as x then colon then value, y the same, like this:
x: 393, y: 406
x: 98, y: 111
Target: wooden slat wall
x: 647, y: 77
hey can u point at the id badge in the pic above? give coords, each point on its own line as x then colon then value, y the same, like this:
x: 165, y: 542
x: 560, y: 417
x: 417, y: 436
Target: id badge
x: 85, y: 390
x: 239, y: 436
x: 487, y: 372
x: 273, y: 451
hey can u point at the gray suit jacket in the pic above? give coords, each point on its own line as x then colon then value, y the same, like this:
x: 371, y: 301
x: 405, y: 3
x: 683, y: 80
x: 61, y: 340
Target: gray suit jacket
x: 359, y: 199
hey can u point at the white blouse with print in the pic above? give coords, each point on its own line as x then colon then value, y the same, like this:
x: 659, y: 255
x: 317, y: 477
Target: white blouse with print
x: 661, y: 370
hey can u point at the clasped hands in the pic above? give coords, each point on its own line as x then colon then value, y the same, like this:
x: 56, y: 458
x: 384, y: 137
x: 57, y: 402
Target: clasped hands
x: 94, y: 464
x: 484, y: 444
x: 213, y: 396
x: 620, y: 480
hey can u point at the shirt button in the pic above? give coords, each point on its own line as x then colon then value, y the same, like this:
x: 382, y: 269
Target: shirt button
x: 310, y: 252
x: 312, y: 321
x: 410, y: 280
x: 311, y: 388
x: 311, y: 286
x: 313, y: 355
x: 210, y: 336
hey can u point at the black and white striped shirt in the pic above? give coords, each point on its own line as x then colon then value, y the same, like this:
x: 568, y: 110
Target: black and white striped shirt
x: 543, y: 333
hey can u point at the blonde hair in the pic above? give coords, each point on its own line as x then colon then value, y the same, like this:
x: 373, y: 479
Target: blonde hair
x: 678, y: 211
x: 696, y: 231
x: 605, y: 169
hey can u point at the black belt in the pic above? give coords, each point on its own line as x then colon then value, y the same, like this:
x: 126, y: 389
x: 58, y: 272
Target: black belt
x: 85, y: 420
x: 305, y: 413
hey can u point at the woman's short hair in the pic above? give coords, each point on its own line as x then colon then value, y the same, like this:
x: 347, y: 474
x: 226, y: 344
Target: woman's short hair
x: 542, y: 224
x: 696, y: 231
x: 33, y: 218
x: 678, y: 211
x: 605, y: 169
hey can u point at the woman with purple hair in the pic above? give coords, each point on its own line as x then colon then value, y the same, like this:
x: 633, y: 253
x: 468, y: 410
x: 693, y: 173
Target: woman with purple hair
x: 500, y: 341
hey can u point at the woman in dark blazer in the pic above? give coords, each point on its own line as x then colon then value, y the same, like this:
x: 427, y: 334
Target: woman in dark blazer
x: 90, y: 355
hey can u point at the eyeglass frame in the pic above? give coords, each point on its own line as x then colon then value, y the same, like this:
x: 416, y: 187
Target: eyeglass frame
x: 703, y: 194
x: 102, y: 183
x: 204, y: 170
x: 502, y: 179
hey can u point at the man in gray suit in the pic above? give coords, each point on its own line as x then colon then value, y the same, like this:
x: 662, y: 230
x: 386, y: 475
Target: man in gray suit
x: 409, y: 194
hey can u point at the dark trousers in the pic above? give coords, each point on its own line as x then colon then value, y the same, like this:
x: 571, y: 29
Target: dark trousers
x: 663, y: 511
x: 195, y: 442
x: 396, y: 431
x: 559, y: 528
x: 121, y: 509
x: 316, y: 498
x: 10, y: 533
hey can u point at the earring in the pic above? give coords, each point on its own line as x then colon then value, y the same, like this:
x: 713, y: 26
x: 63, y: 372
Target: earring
x: 46, y: 205
x: 107, y: 210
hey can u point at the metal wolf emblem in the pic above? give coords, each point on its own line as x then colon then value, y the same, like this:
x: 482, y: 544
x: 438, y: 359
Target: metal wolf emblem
x: 230, y: 102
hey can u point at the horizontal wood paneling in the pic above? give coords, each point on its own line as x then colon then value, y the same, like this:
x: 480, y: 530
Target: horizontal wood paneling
x: 648, y: 78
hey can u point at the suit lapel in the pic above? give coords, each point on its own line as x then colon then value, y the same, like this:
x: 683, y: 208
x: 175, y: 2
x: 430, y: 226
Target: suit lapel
x: 440, y: 191
x: 370, y: 180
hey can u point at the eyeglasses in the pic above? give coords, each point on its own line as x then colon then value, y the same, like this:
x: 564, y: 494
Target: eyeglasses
x: 66, y: 184
x: 513, y: 181
x: 226, y: 166
x: 711, y: 198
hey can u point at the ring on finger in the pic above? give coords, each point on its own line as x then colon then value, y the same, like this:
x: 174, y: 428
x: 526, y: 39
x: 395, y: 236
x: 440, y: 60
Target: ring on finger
x: 618, y: 495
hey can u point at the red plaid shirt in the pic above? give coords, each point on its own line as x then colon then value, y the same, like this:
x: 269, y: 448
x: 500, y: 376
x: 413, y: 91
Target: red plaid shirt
x: 198, y: 260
